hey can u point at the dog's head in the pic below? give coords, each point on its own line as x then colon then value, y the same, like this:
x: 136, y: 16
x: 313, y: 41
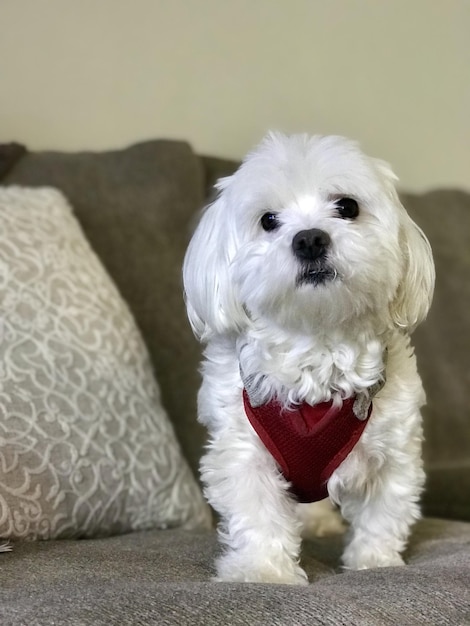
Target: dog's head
x: 309, y: 232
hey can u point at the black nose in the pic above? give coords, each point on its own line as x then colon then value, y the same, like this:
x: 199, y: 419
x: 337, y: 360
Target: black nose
x: 308, y: 245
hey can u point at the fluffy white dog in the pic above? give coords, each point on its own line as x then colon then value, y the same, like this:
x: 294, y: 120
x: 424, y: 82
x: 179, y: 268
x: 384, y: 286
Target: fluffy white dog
x: 305, y: 279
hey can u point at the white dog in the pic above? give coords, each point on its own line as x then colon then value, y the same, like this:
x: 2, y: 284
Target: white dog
x: 305, y: 279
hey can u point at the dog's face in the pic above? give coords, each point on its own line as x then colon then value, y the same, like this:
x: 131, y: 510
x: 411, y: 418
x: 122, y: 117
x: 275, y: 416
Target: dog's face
x: 308, y: 232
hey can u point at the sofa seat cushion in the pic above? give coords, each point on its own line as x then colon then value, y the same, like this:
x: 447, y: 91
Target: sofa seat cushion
x: 164, y: 578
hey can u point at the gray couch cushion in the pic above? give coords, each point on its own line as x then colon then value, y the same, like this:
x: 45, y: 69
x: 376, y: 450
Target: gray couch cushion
x: 443, y: 348
x: 164, y: 578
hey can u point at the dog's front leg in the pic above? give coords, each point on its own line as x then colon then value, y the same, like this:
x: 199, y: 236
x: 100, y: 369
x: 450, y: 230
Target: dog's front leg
x: 382, y: 508
x: 258, y: 527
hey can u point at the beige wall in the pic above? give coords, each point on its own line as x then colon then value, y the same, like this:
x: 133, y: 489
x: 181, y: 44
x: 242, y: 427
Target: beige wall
x: 394, y: 74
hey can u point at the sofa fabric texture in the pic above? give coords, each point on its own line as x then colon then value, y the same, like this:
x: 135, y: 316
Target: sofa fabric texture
x: 163, y: 578
x: 136, y: 207
x: 86, y: 448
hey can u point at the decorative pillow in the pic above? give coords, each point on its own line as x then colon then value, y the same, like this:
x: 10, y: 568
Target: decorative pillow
x: 141, y: 199
x: 86, y: 448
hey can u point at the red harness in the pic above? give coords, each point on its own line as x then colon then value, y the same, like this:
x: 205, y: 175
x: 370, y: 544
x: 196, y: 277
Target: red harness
x: 308, y: 442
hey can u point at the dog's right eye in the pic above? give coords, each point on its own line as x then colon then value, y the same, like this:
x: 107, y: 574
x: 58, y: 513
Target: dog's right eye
x: 269, y: 222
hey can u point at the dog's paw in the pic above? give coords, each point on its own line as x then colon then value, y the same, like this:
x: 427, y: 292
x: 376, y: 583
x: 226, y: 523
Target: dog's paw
x: 230, y: 568
x: 367, y: 557
x: 320, y: 519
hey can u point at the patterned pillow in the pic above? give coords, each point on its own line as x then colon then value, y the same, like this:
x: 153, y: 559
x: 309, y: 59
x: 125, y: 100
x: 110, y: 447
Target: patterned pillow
x: 86, y: 448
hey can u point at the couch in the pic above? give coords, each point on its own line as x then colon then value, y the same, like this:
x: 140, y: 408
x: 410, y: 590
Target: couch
x: 135, y: 208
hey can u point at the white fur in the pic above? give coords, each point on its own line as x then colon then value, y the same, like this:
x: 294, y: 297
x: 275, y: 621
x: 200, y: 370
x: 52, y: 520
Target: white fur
x: 309, y: 343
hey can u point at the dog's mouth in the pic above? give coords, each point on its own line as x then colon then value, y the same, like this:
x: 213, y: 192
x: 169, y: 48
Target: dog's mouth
x: 316, y: 274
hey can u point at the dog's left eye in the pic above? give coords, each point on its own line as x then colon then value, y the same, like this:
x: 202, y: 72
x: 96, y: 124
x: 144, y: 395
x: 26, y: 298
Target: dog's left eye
x: 269, y: 221
x: 347, y: 208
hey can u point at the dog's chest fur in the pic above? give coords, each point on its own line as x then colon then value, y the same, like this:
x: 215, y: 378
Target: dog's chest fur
x: 312, y: 369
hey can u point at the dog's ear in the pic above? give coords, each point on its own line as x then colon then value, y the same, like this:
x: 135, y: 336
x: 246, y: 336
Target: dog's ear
x: 415, y: 291
x: 413, y: 297
x: 211, y: 303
